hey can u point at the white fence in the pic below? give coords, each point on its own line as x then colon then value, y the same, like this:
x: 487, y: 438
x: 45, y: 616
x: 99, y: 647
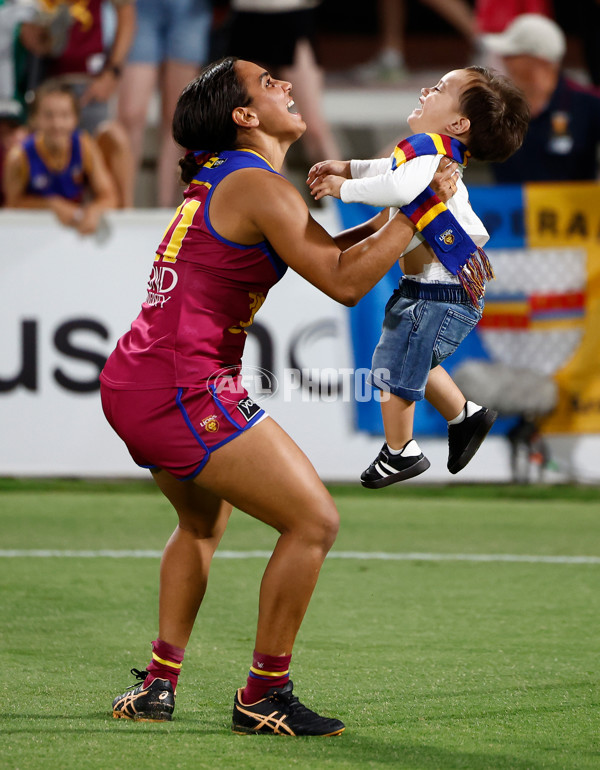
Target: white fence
x: 65, y: 301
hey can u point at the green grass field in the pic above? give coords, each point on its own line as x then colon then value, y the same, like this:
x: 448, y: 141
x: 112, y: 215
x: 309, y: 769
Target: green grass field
x: 432, y: 663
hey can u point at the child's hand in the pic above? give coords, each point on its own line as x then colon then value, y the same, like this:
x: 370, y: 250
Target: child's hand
x: 90, y: 220
x: 325, y: 167
x: 445, y: 178
x: 326, y: 185
x: 67, y: 211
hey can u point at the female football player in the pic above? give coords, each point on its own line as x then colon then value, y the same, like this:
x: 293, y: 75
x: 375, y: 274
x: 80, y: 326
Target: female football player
x: 207, y: 443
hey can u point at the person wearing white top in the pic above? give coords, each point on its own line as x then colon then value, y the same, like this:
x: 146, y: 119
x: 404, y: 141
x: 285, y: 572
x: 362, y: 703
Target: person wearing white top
x: 430, y: 313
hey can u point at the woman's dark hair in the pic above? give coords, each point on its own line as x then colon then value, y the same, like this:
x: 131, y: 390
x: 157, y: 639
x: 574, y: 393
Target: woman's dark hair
x: 202, y: 118
x: 498, y: 112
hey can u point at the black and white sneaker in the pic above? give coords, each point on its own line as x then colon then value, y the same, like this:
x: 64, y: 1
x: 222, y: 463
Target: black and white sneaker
x: 387, y: 468
x: 465, y: 438
x: 154, y: 703
x: 280, y: 713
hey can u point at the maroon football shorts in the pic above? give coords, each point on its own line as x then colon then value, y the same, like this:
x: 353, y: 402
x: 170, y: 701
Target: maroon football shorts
x: 177, y: 428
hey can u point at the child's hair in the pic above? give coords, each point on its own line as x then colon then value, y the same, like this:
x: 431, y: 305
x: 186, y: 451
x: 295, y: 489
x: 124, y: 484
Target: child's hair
x: 498, y: 112
x: 52, y: 87
x: 202, y: 118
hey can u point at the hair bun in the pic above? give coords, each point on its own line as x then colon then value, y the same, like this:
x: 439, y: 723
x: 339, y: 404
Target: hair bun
x: 199, y: 156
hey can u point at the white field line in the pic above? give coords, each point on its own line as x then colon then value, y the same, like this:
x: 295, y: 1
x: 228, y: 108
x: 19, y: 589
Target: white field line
x: 352, y: 555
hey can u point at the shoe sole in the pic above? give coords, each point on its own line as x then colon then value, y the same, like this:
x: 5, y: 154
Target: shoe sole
x: 475, y: 442
x: 142, y: 717
x: 414, y: 470
x: 239, y: 730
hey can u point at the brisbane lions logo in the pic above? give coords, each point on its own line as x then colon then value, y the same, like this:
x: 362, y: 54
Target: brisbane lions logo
x: 210, y: 423
x: 447, y: 237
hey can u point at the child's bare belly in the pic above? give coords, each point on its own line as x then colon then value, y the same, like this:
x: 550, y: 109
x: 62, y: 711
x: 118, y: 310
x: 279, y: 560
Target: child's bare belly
x: 413, y: 262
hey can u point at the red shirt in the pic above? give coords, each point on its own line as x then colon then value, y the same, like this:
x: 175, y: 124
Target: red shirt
x: 493, y: 16
x: 85, y: 45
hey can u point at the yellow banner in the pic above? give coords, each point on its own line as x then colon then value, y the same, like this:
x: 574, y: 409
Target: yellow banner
x: 567, y: 215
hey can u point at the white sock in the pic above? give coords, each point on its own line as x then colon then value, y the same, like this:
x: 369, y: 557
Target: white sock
x: 472, y: 407
x: 410, y: 449
x: 468, y: 411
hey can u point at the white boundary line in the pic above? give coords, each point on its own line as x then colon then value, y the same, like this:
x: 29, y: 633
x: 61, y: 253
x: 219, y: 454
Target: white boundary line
x: 352, y: 555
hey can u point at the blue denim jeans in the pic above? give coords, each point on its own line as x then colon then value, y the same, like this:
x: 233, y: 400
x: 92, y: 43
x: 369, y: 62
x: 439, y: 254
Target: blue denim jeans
x: 174, y: 30
x: 424, y: 323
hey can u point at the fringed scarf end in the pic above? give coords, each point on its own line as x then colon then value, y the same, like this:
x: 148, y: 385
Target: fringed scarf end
x: 486, y: 264
x: 474, y: 274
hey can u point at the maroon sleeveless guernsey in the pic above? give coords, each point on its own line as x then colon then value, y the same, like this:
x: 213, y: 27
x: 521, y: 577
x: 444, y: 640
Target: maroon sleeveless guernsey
x: 203, y: 293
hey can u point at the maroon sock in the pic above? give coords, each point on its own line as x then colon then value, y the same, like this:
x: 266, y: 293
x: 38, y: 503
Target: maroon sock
x: 266, y: 671
x: 165, y: 663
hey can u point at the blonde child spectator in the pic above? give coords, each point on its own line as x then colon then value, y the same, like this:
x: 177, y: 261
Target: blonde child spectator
x: 58, y: 167
x: 84, y: 45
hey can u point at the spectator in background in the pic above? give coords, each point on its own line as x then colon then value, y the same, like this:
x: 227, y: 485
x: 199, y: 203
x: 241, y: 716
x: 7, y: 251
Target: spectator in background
x: 279, y: 34
x: 492, y: 17
x: 12, y: 14
x: 587, y: 21
x: 70, y: 37
x: 69, y: 43
x: 12, y: 132
x: 58, y: 167
x: 389, y: 64
x: 562, y: 141
x: 171, y: 44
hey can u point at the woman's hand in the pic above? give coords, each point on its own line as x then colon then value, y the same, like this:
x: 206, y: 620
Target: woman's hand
x: 445, y: 179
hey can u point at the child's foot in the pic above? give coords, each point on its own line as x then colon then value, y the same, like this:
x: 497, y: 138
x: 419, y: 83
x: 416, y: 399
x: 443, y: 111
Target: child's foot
x: 388, y: 468
x: 465, y: 437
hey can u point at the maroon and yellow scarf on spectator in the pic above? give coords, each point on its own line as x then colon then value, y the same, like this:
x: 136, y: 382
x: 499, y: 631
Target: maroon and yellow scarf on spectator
x: 451, y: 244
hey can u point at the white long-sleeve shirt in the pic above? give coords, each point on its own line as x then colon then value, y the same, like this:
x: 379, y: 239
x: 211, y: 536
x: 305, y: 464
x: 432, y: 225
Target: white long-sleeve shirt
x: 376, y: 184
